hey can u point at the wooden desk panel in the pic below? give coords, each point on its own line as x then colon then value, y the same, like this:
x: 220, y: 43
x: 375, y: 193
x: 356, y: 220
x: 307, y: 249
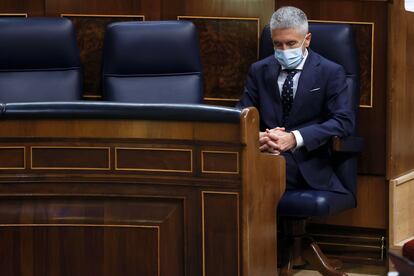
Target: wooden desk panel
x: 131, y: 197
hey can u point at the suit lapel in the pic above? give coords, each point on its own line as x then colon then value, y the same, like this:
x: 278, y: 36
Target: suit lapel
x: 307, y: 79
x: 271, y: 75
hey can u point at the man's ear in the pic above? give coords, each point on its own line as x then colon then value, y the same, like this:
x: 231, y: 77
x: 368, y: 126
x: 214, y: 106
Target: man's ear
x: 308, y: 38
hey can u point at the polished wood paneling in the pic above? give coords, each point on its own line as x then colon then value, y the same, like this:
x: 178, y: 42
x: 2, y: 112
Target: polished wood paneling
x: 224, y: 162
x: 75, y: 235
x: 154, y: 159
x: 70, y: 158
x: 125, y: 129
x: 80, y: 204
x: 151, y: 9
x: 220, y: 233
x: 240, y: 8
x: 31, y: 7
x: 57, y: 7
x: 228, y: 46
x: 78, y: 251
x: 372, y: 208
x: 110, y: 156
x: 371, y: 120
x: 12, y: 158
x: 261, y: 185
x: 401, y: 91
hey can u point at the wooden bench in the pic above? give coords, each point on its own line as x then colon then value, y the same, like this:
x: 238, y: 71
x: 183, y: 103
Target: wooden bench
x: 155, y: 190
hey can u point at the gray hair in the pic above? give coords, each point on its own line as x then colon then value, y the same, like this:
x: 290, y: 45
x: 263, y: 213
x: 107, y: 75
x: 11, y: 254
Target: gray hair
x: 289, y: 17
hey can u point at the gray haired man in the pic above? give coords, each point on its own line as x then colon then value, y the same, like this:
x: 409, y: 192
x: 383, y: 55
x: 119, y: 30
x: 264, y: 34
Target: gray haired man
x: 302, y: 101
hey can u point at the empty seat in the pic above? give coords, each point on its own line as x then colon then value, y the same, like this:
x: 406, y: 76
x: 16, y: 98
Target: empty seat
x: 152, y: 62
x: 39, y: 60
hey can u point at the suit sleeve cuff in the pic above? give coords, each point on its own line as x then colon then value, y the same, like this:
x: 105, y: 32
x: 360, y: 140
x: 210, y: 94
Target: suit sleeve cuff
x: 298, y: 138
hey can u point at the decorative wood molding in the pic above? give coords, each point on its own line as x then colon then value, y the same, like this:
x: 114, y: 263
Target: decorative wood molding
x: 74, y: 157
x: 220, y: 169
x: 13, y: 167
x: 13, y: 15
x: 204, y: 194
x: 161, y: 162
x: 103, y: 15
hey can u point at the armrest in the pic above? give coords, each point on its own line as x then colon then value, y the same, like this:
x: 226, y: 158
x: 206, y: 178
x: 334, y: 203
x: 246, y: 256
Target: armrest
x: 350, y: 144
x: 118, y: 110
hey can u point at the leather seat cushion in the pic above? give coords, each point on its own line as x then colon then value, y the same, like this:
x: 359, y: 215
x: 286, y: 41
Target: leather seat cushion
x: 309, y: 203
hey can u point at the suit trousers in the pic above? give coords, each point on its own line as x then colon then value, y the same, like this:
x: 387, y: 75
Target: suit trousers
x: 294, y: 178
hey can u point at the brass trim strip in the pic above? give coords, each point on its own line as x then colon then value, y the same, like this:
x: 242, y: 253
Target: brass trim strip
x: 218, y: 151
x: 371, y: 105
x: 341, y: 22
x: 75, y: 195
x: 159, y: 250
x: 218, y: 17
x: 77, y: 225
x: 153, y: 170
x: 92, y: 96
x: 103, y: 15
x: 220, y: 99
x: 13, y: 14
x: 350, y: 245
x: 69, y: 168
x: 203, y: 224
x: 24, y: 158
x: 349, y: 237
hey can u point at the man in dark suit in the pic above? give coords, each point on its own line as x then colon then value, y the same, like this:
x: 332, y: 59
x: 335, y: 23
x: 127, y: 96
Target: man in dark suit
x: 302, y: 101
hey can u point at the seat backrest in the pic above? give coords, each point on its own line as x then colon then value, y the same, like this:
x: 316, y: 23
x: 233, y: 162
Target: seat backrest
x: 39, y: 60
x: 335, y: 42
x: 152, y: 62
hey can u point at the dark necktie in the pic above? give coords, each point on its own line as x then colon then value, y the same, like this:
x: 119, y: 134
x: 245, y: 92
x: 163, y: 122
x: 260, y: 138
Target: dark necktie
x: 287, y: 94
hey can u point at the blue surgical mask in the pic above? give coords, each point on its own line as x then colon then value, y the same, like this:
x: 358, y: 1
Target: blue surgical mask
x: 290, y: 58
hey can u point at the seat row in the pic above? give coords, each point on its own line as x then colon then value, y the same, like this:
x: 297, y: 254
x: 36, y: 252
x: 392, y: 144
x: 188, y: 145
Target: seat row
x: 149, y: 64
x: 145, y: 62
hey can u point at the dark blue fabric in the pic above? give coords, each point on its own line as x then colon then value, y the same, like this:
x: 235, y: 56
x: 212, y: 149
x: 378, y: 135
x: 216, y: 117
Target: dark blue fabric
x: 152, y: 62
x: 320, y: 110
x: 311, y: 203
x: 334, y: 42
x: 39, y: 60
x: 287, y: 95
x: 107, y: 110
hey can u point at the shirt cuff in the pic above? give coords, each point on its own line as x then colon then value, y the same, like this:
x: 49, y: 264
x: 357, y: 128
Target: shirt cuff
x: 299, y: 139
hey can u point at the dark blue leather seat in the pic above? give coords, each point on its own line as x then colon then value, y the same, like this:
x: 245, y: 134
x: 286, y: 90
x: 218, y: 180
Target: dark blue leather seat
x: 152, y: 62
x: 335, y: 42
x: 39, y: 60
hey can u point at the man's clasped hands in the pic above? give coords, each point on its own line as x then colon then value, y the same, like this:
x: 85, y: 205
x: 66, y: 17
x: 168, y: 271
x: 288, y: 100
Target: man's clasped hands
x: 276, y: 140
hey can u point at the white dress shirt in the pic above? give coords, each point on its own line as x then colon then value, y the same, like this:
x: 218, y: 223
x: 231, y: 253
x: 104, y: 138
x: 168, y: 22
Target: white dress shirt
x: 280, y: 81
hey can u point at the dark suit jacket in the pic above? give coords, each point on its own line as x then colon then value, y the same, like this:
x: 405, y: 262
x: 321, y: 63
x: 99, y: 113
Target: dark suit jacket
x: 321, y: 109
